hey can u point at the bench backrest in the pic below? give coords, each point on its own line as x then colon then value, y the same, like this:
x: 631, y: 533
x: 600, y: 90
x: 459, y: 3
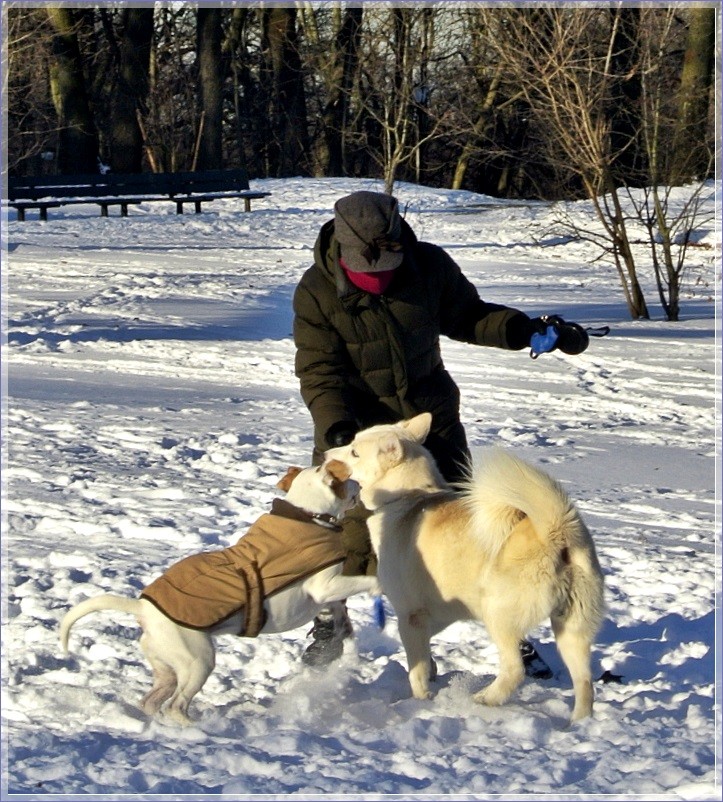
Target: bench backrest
x: 94, y: 185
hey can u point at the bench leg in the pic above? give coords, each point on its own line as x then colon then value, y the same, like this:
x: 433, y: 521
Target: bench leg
x: 43, y: 212
x: 179, y: 207
x: 104, y: 210
x: 247, y: 204
x: 21, y: 214
x: 124, y: 210
x: 197, y: 204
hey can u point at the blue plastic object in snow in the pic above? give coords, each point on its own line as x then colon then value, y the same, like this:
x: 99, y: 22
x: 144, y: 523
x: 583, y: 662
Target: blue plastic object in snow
x: 542, y: 343
x: 380, y: 616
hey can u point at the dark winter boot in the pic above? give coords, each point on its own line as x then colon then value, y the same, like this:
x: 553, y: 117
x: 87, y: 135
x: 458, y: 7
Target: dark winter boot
x: 328, y: 639
x: 535, y: 666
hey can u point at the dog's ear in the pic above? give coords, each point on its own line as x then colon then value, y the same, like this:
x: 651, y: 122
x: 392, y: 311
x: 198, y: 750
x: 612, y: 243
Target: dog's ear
x: 391, y: 450
x: 338, y: 469
x: 338, y: 472
x: 285, y: 482
x: 419, y: 426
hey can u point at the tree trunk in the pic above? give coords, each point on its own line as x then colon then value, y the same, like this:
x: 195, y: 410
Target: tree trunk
x: 336, y: 110
x: 421, y: 97
x: 244, y: 91
x: 627, y: 153
x: 78, y: 138
x: 609, y: 210
x: 487, y: 125
x: 210, y: 82
x: 691, y: 152
x: 289, y: 145
x: 397, y: 123
x: 483, y: 122
x: 132, y: 91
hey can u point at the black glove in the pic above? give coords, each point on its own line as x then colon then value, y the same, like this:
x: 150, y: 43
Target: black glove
x: 571, y: 337
x: 341, y: 433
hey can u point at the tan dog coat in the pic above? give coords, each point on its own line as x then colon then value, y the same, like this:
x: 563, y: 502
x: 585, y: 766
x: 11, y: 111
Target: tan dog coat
x: 280, y: 548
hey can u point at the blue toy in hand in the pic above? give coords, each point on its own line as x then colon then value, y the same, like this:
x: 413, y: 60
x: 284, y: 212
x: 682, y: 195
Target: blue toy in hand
x: 542, y: 343
x: 552, y: 332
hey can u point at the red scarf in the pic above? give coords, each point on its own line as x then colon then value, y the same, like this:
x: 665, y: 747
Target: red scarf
x: 374, y: 283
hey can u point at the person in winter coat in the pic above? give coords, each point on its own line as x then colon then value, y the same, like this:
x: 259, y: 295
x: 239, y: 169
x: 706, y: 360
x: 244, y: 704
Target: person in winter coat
x: 368, y: 316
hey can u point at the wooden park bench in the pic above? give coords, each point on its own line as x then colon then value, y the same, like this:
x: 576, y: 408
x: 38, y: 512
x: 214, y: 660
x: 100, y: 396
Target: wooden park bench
x: 124, y: 189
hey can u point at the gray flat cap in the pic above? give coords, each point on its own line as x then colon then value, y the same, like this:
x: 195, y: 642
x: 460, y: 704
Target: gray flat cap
x: 368, y: 229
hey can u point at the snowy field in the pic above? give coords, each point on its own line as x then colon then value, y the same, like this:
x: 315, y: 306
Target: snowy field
x: 151, y: 408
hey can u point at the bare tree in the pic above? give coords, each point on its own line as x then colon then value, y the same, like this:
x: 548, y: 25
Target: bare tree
x: 170, y: 124
x: 131, y: 45
x: 538, y: 101
x: 288, y: 148
x: 32, y: 124
x: 337, y: 62
x: 626, y: 147
x: 571, y: 77
x: 566, y: 76
x: 692, y: 154
x: 396, y: 97
x: 244, y: 89
x: 501, y: 146
x: 78, y: 138
x: 667, y: 222
x: 475, y: 134
x: 210, y: 83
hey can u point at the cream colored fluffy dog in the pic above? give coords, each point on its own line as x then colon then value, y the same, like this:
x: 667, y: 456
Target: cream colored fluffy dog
x: 510, y: 550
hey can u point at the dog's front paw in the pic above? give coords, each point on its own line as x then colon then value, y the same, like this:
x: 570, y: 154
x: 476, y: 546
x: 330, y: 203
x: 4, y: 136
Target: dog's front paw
x: 494, y: 695
x: 486, y: 698
x: 177, y: 716
x: 419, y: 680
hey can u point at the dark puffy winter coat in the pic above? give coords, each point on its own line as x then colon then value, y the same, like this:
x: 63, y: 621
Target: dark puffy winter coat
x: 371, y: 359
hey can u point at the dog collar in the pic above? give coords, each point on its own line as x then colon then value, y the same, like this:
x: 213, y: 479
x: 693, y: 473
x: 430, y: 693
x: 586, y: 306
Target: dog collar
x: 283, y: 508
x: 325, y: 519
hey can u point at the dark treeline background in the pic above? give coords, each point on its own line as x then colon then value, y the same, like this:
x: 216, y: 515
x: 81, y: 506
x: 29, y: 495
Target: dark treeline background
x: 534, y: 102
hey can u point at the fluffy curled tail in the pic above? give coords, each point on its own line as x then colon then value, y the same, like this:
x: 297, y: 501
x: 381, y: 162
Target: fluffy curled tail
x: 503, y: 489
x: 94, y: 605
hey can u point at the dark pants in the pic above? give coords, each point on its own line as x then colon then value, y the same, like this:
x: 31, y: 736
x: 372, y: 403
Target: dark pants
x: 360, y: 557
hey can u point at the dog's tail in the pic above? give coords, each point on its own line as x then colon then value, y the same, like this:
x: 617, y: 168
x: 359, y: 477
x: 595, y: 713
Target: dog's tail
x: 94, y: 605
x: 503, y: 489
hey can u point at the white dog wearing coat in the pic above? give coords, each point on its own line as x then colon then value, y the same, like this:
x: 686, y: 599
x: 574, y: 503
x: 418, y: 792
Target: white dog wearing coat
x: 182, y: 658
x: 510, y: 550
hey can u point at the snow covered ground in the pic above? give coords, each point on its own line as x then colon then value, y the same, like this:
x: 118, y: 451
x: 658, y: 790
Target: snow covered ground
x: 151, y: 406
